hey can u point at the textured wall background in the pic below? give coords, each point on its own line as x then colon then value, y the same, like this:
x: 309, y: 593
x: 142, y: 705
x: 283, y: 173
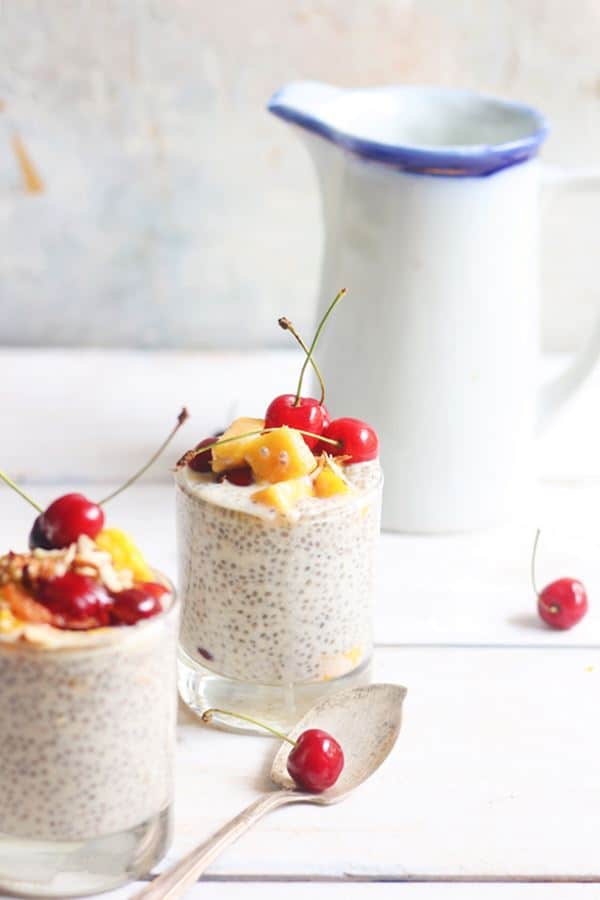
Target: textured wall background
x: 147, y: 199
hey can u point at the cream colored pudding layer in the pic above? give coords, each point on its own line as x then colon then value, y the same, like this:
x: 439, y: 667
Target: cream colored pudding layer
x: 87, y: 733
x: 272, y: 600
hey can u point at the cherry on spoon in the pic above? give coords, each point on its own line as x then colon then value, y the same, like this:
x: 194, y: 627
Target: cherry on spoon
x: 315, y: 760
x: 378, y: 709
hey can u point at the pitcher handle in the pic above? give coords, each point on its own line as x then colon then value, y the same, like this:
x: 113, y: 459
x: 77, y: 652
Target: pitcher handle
x: 556, y: 393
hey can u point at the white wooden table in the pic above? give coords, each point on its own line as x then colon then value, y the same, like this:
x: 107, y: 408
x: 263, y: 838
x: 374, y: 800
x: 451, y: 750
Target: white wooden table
x: 493, y: 790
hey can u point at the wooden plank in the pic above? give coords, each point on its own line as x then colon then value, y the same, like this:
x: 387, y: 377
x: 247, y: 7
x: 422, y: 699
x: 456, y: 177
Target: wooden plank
x: 207, y: 890
x: 495, y: 777
x: 467, y: 589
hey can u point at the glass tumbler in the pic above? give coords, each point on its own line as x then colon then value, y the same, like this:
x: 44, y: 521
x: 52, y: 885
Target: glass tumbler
x: 274, y: 612
x: 87, y: 737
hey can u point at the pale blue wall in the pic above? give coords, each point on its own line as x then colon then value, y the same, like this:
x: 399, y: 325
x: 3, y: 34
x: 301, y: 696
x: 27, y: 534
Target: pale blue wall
x: 176, y: 212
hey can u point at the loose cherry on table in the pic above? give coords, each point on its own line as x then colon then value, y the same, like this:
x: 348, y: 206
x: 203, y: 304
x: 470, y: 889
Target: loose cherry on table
x: 562, y: 603
x: 315, y: 761
x: 357, y: 440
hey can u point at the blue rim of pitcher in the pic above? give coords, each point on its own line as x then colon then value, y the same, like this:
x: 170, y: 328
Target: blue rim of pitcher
x: 474, y: 160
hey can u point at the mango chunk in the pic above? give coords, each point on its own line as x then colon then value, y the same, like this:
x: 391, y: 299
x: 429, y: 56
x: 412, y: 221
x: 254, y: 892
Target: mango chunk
x: 280, y: 455
x: 125, y: 554
x: 331, y: 480
x: 233, y: 454
x: 284, y: 495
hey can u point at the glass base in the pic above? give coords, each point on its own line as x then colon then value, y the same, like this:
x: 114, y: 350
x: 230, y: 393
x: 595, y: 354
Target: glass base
x: 72, y: 868
x: 277, y: 705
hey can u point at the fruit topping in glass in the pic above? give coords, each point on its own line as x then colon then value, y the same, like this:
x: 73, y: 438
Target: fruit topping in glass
x: 295, y: 453
x: 77, y: 574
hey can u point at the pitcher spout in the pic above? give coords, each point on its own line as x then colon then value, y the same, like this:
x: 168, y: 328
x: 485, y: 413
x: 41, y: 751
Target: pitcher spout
x: 309, y: 104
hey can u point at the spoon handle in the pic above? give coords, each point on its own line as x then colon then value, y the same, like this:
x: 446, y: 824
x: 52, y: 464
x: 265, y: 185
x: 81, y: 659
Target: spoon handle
x: 175, y: 881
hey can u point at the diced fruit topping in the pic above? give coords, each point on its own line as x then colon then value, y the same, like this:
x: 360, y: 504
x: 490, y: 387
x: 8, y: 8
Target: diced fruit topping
x: 307, y: 414
x: 23, y: 606
x: 232, y: 455
x: 75, y: 601
x: 153, y: 588
x: 65, y: 520
x: 134, y: 604
x: 284, y: 495
x: 280, y: 455
x: 242, y: 476
x: 357, y: 440
x: 330, y: 480
x: 124, y: 553
x: 8, y: 622
x: 77, y: 587
x: 202, y: 462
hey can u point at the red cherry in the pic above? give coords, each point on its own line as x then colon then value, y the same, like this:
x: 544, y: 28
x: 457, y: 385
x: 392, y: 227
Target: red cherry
x: 153, y: 588
x: 242, y: 476
x: 76, y: 601
x: 66, y: 519
x: 563, y: 603
x: 133, y: 604
x: 316, y: 761
x: 357, y: 440
x: 203, y: 461
x: 309, y: 415
x: 37, y: 537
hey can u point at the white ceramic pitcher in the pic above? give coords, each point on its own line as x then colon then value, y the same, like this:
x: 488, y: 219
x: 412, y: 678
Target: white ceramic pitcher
x: 430, y: 207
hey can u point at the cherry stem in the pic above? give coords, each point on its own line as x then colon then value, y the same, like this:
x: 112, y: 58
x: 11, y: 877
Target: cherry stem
x: 208, y: 714
x: 181, y: 418
x: 288, y: 326
x: 20, y: 492
x: 320, y: 327
x: 187, y: 457
x: 533, y: 556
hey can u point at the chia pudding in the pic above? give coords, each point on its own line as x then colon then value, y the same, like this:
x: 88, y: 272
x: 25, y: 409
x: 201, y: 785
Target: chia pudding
x: 87, y: 714
x: 272, y: 599
x: 87, y: 729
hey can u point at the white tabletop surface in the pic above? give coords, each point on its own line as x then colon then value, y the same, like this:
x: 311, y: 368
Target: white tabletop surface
x: 492, y: 790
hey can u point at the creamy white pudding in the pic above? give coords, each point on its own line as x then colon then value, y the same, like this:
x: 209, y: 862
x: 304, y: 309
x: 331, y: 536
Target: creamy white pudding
x: 87, y: 724
x: 272, y: 599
